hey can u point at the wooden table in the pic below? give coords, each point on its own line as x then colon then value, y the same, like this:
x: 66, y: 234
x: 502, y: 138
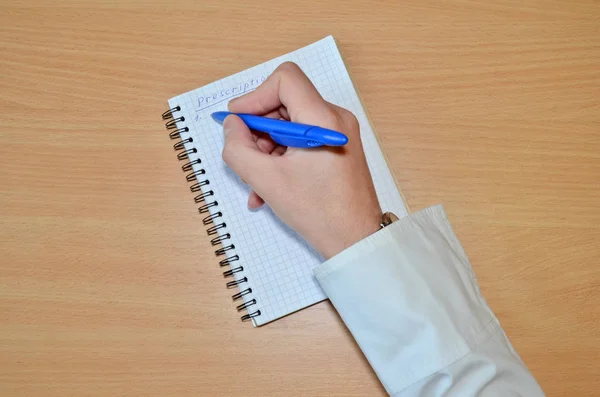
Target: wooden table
x: 108, y: 284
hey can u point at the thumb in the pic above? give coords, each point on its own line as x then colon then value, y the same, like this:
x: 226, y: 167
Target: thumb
x: 241, y: 152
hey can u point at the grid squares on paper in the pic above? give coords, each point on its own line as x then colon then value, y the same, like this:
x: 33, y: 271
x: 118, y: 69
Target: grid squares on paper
x: 277, y: 262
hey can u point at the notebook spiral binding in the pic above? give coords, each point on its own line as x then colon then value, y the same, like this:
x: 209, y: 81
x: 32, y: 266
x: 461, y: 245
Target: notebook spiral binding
x: 216, y: 218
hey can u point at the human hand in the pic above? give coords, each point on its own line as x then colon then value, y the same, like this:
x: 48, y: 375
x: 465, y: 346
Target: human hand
x: 326, y: 194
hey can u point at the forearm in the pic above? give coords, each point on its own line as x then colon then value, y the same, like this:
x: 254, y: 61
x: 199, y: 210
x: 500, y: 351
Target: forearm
x: 410, y: 298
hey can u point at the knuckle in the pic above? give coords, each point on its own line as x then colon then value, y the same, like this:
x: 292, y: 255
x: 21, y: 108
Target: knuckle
x: 332, y: 117
x: 342, y: 118
x: 289, y: 68
x: 346, y: 118
x: 226, y: 154
x: 350, y: 119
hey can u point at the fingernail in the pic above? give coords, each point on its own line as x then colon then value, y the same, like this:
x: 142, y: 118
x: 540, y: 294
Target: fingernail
x: 255, y: 209
x: 232, y: 102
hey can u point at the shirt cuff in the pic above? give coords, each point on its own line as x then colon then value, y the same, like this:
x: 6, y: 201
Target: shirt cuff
x: 409, y: 297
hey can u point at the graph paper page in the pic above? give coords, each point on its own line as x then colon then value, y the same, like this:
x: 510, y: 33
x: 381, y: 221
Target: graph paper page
x: 276, y: 262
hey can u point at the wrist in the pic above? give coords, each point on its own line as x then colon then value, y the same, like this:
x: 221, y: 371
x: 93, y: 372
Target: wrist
x: 347, y: 234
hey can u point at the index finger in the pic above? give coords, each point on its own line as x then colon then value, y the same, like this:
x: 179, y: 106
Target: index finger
x: 287, y: 86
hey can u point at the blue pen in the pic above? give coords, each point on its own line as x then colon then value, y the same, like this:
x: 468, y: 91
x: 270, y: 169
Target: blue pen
x: 287, y: 133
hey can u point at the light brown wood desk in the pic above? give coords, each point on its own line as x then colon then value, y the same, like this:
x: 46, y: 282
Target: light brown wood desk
x: 108, y: 284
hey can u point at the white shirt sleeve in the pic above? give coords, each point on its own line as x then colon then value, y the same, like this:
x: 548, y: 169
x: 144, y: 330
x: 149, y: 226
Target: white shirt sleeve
x: 409, y: 296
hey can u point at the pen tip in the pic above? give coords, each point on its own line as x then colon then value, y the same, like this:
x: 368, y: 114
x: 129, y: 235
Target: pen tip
x: 219, y: 117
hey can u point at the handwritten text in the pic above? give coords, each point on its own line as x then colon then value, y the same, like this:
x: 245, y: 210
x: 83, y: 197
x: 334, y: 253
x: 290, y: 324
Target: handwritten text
x: 224, y: 94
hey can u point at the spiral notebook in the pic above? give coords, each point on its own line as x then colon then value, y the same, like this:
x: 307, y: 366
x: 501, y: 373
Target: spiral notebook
x: 266, y: 264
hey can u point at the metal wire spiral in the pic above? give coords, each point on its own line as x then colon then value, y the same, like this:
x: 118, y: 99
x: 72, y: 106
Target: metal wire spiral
x: 186, y: 152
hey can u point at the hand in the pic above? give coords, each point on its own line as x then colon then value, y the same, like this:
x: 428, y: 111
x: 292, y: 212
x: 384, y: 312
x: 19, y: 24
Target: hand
x: 326, y: 194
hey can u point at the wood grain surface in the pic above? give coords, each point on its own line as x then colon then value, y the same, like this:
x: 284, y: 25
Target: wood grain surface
x: 108, y: 284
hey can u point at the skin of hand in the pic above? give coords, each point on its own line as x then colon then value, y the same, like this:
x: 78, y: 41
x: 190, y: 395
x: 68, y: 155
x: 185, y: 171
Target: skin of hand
x: 326, y: 194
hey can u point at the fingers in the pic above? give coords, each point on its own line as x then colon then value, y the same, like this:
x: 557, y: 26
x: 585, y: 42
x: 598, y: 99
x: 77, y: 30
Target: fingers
x: 287, y: 86
x: 242, y: 152
x: 255, y: 201
x: 284, y: 113
x: 264, y: 141
x: 249, y: 156
x: 266, y: 145
x: 277, y: 114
